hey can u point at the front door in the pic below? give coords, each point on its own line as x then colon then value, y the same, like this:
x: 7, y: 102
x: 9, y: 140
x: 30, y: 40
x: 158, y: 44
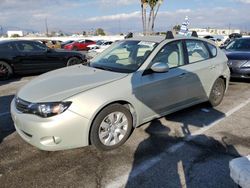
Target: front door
x: 165, y: 92
x: 34, y: 57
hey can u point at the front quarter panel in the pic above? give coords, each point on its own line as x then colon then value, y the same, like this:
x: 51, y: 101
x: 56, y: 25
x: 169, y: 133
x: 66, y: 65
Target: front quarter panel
x: 89, y: 103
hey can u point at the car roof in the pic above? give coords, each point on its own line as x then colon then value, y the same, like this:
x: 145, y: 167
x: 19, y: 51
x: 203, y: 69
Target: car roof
x: 6, y: 41
x: 17, y: 40
x: 161, y: 38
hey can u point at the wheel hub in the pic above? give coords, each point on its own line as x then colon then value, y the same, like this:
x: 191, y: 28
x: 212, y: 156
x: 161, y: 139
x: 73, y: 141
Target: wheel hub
x: 113, y: 128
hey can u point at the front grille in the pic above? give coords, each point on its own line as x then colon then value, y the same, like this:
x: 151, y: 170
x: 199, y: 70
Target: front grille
x: 22, y: 105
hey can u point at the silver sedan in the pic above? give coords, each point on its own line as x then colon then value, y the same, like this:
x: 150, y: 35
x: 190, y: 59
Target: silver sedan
x: 130, y: 83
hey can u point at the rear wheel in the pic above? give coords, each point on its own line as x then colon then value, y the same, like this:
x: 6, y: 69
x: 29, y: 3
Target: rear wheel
x: 73, y: 61
x: 5, y: 71
x: 111, y: 128
x: 217, y: 92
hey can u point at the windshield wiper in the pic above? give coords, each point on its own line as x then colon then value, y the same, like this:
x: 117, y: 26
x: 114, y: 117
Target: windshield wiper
x: 102, y: 68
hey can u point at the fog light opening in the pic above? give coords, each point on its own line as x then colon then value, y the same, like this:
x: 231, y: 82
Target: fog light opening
x: 50, y: 140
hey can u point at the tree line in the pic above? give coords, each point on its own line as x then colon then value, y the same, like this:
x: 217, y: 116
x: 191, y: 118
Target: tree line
x: 148, y: 21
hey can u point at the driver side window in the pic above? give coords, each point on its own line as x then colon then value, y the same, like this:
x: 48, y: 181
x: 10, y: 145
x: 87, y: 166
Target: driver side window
x: 171, y: 54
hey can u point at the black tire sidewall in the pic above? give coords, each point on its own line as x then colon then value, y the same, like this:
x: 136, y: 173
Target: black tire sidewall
x: 222, y: 84
x: 10, y: 70
x: 70, y: 59
x: 94, y: 132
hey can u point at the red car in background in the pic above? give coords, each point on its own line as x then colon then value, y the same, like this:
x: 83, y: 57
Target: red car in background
x: 79, y: 45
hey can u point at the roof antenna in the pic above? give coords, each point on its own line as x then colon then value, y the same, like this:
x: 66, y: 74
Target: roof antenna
x: 169, y: 35
x: 194, y: 34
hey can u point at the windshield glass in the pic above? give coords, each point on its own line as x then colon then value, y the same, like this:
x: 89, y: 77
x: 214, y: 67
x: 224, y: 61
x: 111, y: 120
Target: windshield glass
x: 124, y: 56
x: 239, y: 44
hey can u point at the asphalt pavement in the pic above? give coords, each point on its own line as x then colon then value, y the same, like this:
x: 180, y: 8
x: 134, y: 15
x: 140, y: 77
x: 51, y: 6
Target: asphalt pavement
x: 190, y: 148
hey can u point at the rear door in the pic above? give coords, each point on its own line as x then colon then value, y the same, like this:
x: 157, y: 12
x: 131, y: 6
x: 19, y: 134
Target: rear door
x: 202, y: 63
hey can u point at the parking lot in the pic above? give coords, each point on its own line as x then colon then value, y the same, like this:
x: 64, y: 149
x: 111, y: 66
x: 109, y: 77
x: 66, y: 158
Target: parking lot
x: 190, y: 148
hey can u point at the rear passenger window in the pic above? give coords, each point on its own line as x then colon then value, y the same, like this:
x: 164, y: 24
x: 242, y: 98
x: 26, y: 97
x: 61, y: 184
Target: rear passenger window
x: 212, y: 49
x: 197, y: 51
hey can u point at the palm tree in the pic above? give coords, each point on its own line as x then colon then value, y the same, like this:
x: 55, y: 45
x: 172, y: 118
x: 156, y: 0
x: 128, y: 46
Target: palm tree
x: 152, y: 4
x: 149, y: 27
x: 159, y: 2
x: 144, y: 4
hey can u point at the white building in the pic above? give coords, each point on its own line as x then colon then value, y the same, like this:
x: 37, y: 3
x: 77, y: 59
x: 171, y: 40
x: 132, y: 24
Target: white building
x: 214, y: 31
x: 15, y: 33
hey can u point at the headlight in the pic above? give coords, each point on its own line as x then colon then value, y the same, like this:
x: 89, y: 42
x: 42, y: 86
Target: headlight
x: 246, y: 64
x: 48, y: 109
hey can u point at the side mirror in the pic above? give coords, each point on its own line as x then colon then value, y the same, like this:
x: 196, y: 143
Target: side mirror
x: 160, y: 67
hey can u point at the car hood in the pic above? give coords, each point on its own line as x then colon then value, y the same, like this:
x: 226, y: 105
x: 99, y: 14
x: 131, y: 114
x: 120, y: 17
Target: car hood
x: 237, y: 55
x: 63, y: 83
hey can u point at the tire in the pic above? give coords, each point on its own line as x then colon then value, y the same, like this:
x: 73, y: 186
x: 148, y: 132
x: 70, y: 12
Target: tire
x: 217, y: 92
x: 73, y: 61
x: 106, y: 132
x: 6, y: 71
x: 75, y: 48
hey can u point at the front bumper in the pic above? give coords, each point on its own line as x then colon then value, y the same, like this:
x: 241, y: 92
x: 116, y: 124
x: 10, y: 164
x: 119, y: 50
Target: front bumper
x: 237, y: 71
x: 65, y: 131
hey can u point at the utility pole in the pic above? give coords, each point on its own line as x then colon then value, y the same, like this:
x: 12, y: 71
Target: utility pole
x: 1, y: 30
x: 46, y: 26
x: 119, y: 24
x: 229, y: 28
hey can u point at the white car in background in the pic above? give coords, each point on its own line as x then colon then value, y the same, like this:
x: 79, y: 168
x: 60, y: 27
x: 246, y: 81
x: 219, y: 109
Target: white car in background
x: 99, y: 47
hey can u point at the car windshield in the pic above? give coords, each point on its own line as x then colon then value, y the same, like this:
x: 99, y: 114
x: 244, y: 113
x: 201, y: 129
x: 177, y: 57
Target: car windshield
x: 124, y: 56
x: 239, y: 44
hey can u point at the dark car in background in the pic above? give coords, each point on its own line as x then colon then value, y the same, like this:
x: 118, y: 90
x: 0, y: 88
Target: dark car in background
x: 79, y: 45
x: 238, y: 54
x: 28, y: 57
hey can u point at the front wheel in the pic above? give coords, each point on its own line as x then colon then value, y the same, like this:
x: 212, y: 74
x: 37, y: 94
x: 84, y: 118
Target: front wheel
x: 111, y: 128
x: 73, y: 61
x: 5, y: 71
x: 217, y: 92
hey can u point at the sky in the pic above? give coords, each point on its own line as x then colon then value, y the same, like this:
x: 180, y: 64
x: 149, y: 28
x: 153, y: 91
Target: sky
x: 120, y: 16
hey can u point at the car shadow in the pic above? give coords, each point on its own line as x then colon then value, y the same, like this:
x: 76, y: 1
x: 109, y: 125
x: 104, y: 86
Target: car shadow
x: 200, y: 116
x: 17, y: 77
x: 243, y: 80
x: 13, y: 79
x: 6, y: 123
x: 201, y: 157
